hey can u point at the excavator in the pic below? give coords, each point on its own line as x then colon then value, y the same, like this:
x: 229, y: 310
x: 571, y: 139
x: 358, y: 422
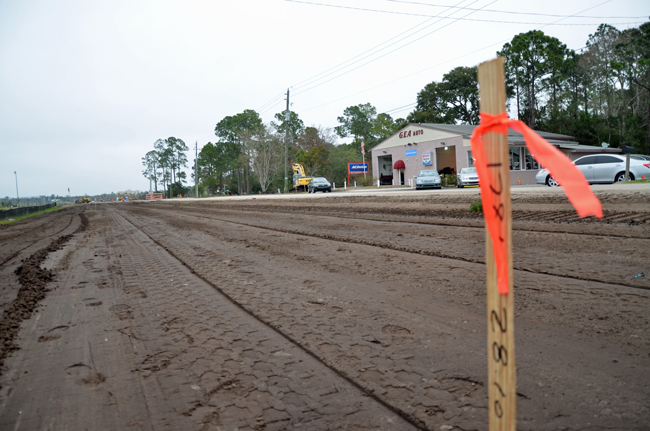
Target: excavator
x: 300, y: 180
x: 83, y: 200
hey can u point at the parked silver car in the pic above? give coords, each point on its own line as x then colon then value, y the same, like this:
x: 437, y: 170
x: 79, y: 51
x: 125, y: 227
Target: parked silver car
x: 467, y: 177
x: 428, y: 179
x: 601, y: 168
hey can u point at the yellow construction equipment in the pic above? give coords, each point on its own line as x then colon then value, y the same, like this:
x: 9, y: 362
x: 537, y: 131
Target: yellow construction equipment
x: 83, y: 200
x: 300, y: 180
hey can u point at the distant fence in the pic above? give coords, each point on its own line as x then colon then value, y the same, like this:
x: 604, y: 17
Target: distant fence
x: 22, y: 211
x: 153, y: 196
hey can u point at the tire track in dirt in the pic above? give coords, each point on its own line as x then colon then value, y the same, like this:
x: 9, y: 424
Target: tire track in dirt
x: 410, y: 418
x: 33, y: 280
x: 455, y: 218
x: 406, y: 249
x: 226, y: 360
x: 328, y: 326
x: 41, y: 227
x: 26, y: 229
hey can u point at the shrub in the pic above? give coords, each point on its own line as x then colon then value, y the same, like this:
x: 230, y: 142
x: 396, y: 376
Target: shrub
x: 448, y: 180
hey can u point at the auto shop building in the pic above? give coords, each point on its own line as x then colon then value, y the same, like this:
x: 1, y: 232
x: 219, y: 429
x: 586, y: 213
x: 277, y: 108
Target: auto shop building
x: 446, y: 148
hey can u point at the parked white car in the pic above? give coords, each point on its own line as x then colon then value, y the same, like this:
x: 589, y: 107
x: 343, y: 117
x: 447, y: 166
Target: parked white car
x: 601, y: 168
x: 467, y: 177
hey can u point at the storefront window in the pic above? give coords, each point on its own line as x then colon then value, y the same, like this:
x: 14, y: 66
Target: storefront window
x: 531, y: 163
x: 470, y: 159
x: 515, y: 158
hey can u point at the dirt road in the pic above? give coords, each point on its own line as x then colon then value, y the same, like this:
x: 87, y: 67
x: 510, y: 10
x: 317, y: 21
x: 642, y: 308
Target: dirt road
x: 315, y: 313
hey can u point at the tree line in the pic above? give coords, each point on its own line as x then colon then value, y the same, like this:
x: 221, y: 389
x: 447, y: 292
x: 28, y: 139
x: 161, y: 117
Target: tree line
x: 163, y: 165
x: 601, y: 94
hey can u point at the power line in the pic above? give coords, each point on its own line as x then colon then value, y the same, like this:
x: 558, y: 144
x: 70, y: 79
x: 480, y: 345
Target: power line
x: 464, y: 19
x: 516, y: 13
x: 437, y: 65
x: 260, y: 111
x: 358, y: 57
x: 424, y: 70
x: 400, y: 108
x: 270, y: 104
x: 385, y: 54
x: 275, y: 99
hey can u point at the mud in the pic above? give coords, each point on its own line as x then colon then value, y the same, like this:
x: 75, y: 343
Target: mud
x: 33, y: 280
x: 322, y: 313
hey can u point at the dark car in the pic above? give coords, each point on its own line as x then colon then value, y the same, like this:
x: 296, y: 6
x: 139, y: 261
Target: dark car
x: 319, y: 184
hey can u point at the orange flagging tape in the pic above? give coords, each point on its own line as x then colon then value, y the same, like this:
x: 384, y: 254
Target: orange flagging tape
x: 561, y: 168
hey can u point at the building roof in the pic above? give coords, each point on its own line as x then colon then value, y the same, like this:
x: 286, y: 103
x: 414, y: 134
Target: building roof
x: 465, y: 131
x: 585, y: 148
x: 513, y: 136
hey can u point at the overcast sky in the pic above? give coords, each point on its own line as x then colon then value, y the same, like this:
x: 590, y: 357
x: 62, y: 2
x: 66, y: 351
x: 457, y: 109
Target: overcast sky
x: 87, y: 87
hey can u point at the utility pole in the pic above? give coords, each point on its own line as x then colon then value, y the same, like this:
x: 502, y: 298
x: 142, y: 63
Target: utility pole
x: 17, y: 197
x: 196, y: 168
x: 286, y: 142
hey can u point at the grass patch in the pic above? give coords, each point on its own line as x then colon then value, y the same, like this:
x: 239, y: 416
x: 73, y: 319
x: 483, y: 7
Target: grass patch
x: 49, y: 210
x: 476, y: 206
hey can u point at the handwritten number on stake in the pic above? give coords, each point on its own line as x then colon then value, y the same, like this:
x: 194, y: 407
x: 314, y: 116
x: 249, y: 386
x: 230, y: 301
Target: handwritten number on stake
x: 502, y: 320
x: 500, y: 353
x: 498, y: 410
x: 500, y: 213
x: 498, y: 210
x: 496, y: 192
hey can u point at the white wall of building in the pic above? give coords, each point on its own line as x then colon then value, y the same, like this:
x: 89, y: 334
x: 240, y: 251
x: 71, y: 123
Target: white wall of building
x: 411, y: 143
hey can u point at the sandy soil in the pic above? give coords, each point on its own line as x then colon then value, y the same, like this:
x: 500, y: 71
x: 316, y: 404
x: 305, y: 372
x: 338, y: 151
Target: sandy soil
x: 324, y: 312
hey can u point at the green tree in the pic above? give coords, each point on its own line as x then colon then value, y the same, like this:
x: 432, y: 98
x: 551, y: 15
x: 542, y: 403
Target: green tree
x: 151, y: 171
x: 264, y: 147
x: 315, y: 160
x: 451, y: 101
x: 295, y: 125
x: 312, y: 150
x: 164, y: 161
x: 533, y: 64
x: 633, y: 64
x: 228, y: 131
x: 212, y: 164
x: 364, y: 125
x: 431, y: 106
x: 382, y: 128
x: 357, y: 121
x: 176, y: 149
x: 339, y: 157
x: 315, y: 137
x: 461, y: 94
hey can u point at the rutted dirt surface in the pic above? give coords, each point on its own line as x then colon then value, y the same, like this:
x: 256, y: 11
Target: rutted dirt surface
x: 317, y: 313
x: 33, y: 280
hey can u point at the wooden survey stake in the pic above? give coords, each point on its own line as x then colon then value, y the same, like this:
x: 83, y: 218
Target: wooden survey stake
x: 502, y: 382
